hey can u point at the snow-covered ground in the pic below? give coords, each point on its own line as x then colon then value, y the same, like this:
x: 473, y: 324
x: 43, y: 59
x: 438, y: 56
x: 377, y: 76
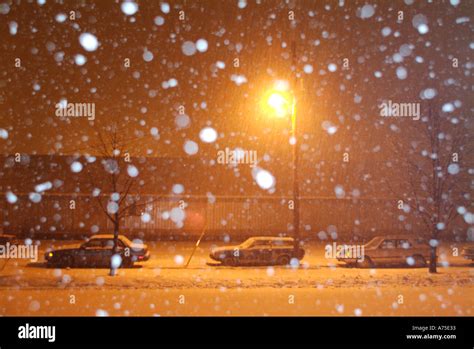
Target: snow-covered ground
x: 162, y: 286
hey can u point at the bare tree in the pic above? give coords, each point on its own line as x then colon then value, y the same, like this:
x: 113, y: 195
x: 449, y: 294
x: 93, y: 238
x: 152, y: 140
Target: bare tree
x: 433, y: 172
x: 116, y: 196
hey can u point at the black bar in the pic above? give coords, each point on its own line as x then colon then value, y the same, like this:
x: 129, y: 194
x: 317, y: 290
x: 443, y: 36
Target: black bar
x: 316, y: 331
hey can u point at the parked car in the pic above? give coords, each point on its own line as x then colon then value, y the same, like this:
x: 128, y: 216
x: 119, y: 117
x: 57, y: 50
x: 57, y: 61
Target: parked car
x: 4, y: 238
x: 468, y: 252
x: 258, y: 251
x: 97, y: 252
x: 392, y: 250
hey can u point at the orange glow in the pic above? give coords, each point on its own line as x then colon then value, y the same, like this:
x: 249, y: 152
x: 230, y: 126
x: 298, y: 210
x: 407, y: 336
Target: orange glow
x: 280, y: 105
x: 279, y: 101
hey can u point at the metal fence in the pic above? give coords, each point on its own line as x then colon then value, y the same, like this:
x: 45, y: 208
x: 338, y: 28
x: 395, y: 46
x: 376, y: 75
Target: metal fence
x: 73, y: 215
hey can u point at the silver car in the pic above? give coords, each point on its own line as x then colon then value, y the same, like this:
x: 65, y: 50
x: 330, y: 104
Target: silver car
x: 391, y: 250
x: 468, y: 252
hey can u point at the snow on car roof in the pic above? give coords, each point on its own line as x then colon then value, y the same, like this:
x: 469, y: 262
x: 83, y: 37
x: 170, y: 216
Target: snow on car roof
x: 272, y: 238
x: 107, y: 236
x: 7, y: 236
x: 399, y: 236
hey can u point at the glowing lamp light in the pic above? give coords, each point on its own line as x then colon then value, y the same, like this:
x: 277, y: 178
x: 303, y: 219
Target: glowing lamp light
x: 279, y: 103
x: 279, y: 100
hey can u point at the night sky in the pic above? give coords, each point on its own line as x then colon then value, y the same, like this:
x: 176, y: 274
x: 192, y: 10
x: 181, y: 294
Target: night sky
x: 214, y: 93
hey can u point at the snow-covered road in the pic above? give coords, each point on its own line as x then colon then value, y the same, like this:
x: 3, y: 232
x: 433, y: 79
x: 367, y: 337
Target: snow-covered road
x: 163, y: 286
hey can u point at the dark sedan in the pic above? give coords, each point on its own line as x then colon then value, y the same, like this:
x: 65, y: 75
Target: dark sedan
x: 259, y: 251
x: 98, y: 252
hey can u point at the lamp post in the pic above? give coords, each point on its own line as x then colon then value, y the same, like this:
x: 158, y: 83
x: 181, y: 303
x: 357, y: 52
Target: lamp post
x: 294, y: 135
x: 283, y: 104
x: 296, y: 188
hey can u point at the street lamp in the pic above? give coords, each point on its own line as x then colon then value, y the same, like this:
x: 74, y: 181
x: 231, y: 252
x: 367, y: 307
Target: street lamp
x: 279, y: 103
x: 283, y: 104
x: 281, y: 100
